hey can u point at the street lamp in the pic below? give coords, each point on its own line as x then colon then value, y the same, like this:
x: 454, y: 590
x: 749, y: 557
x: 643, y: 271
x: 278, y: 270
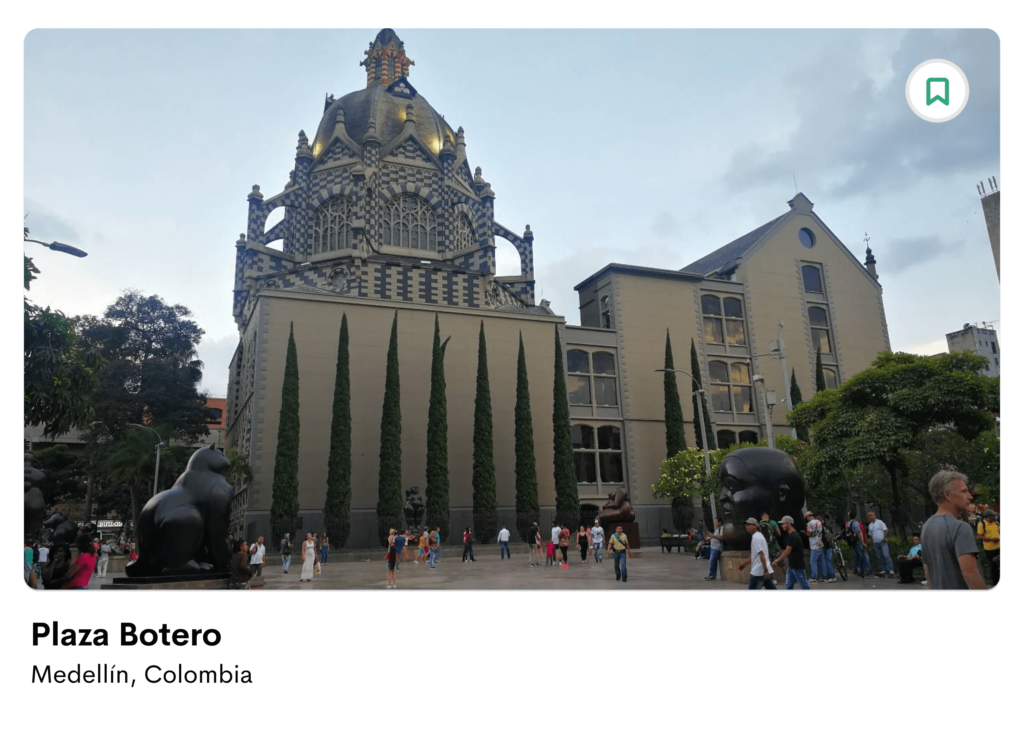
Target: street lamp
x: 703, y: 431
x: 160, y: 442
x: 61, y: 247
x: 767, y: 408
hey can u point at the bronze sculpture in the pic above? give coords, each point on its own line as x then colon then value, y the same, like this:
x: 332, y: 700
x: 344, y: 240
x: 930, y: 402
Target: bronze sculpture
x: 35, y: 500
x: 755, y: 480
x: 414, y: 508
x: 616, y: 509
x: 185, y: 528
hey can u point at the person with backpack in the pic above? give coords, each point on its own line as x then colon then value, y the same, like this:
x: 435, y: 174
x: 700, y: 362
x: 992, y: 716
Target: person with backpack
x: 828, y: 543
x: 618, y: 545
x: 286, y: 551
x: 467, y: 545
x: 814, y: 530
x: 856, y: 538
x: 770, y: 529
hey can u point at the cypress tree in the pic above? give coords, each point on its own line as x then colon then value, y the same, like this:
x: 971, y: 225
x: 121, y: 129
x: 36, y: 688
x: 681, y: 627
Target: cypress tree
x: 567, y: 498
x: 284, y: 508
x: 819, y: 373
x: 795, y: 399
x: 389, y: 479
x: 437, y: 438
x: 485, y: 485
x: 697, y: 385
x: 675, y: 435
x: 338, y: 505
x: 527, y: 503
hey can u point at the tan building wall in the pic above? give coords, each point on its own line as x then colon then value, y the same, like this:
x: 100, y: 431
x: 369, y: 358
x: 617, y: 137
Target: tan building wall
x: 317, y: 324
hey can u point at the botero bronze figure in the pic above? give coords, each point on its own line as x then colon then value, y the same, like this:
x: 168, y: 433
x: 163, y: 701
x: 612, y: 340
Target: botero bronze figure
x: 616, y: 509
x: 35, y: 499
x: 413, y: 508
x: 185, y: 529
x: 756, y: 480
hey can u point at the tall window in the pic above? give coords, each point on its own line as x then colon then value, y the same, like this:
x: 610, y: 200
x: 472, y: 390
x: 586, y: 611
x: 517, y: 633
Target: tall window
x: 831, y: 379
x: 723, y: 320
x: 592, y: 378
x: 332, y: 227
x: 606, y: 312
x: 812, y: 280
x: 463, y: 236
x: 730, y: 387
x: 820, y: 337
x: 410, y: 222
x: 597, y: 460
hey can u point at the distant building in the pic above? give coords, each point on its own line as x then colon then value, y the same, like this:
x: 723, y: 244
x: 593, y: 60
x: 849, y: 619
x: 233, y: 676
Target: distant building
x: 990, y: 206
x: 981, y: 340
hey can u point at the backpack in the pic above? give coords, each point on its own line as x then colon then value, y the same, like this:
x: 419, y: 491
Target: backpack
x: 765, y: 528
x: 828, y: 538
x: 851, y: 536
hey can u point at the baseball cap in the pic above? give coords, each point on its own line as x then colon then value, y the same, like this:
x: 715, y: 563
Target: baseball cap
x: 988, y: 513
x: 752, y: 521
x: 788, y: 519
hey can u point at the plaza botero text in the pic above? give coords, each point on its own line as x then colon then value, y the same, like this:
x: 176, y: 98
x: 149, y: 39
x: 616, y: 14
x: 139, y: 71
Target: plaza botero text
x: 53, y: 634
x: 154, y: 674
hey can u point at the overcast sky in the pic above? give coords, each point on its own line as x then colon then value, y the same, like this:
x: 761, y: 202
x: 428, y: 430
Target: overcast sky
x: 641, y: 147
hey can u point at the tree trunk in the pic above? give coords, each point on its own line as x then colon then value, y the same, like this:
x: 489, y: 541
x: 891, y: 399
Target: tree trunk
x: 897, y: 506
x: 89, y: 491
x: 136, y: 505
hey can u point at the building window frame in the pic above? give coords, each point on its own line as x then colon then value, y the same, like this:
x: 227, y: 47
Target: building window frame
x: 737, y: 387
x: 723, y: 320
x: 818, y: 329
x: 332, y: 225
x: 597, y: 451
x: 592, y: 380
x: 409, y: 221
x: 815, y: 270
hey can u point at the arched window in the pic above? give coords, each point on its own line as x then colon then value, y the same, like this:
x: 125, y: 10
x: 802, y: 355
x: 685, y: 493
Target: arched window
x: 332, y: 226
x: 725, y: 438
x: 749, y: 437
x: 597, y: 461
x: 820, y: 337
x: 723, y: 320
x: 592, y: 374
x: 711, y: 307
x: 730, y: 387
x: 812, y: 279
x: 410, y: 222
x: 463, y: 235
x: 606, y: 312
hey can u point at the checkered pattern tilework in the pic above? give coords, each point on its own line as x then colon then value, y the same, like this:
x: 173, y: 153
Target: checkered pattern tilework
x: 337, y: 152
x: 410, y: 150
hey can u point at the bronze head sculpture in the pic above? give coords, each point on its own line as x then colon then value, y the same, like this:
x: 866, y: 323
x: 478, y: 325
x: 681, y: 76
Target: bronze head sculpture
x: 755, y: 480
x: 185, y: 528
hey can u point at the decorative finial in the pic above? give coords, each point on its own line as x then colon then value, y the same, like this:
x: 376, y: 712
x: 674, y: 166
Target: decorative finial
x: 385, y: 59
x: 339, y: 118
x: 478, y: 177
x: 447, y: 149
x: 371, y: 133
x: 528, y: 234
x: 241, y: 240
x: 410, y: 114
x: 256, y: 193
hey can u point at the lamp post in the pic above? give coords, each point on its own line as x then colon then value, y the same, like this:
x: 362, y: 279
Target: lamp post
x: 61, y: 247
x: 703, y: 431
x: 767, y: 414
x: 160, y: 442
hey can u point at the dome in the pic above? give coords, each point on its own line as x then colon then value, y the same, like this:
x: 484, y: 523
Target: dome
x: 386, y: 108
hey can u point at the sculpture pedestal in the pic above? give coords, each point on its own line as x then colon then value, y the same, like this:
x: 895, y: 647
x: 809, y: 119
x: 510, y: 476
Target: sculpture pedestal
x: 210, y: 581
x: 731, y: 558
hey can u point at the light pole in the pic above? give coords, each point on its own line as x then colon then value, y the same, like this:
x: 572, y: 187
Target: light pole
x: 62, y: 247
x: 767, y: 415
x: 703, y: 431
x: 160, y: 442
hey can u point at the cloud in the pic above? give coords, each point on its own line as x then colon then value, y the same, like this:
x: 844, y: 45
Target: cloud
x: 904, y: 253
x: 216, y: 355
x: 49, y: 227
x: 664, y: 225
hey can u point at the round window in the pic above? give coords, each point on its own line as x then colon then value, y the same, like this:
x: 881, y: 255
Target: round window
x: 806, y: 237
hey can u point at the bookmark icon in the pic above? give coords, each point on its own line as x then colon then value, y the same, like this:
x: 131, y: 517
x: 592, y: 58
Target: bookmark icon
x: 936, y: 89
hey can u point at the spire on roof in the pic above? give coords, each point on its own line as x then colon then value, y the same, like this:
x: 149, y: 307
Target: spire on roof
x: 385, y: 59
x: 869, y: 261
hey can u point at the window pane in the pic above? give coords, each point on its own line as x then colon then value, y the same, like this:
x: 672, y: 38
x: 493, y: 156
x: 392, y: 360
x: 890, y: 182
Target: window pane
x: 579, y: 390
x: 725, y: 438
x: 742, y: 397
x: 734, y: 333
x: 604, y: 363
x: 611, y: 467
x: 578, y: 361
x: 605, y: 392
x: 817, y: 316
x: 821, y: 341
x: 831, y: 380
x: 812, y: 279
x: 740, y: 372
x: 582, y: 437
x: 586, y: 467
x: 720, y: 398
x: 609, y: 437
x: 718, y: 371
x: 713, y: 330
x: 710, y: 305
x: 749, y: 437
x: 733, y: 307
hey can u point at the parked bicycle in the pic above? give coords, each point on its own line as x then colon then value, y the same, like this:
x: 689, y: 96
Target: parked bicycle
x: 839, y: 562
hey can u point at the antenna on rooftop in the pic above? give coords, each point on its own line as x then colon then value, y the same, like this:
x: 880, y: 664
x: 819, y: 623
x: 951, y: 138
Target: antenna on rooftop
x: 796, y: 190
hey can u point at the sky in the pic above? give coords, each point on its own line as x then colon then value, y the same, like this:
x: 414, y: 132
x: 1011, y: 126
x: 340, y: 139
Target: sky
x: 642, y: 147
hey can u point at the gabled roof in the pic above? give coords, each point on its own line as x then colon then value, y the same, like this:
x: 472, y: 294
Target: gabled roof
x: 726, y: 257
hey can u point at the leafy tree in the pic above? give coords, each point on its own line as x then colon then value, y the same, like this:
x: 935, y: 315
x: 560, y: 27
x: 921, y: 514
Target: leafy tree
x: 240, y: 477
x: 65, y: 471
x: 567, y: 498
x: 877, y: 416
x: 485, y: 484
x: 819, y: 374
x: 61, y: 371
x: 437, y: 439
x: 338, y: 504
x: 796, y: 398
x: 284, y: 508
x: 683, y: 475
x: 697, y: 384
x: 389, y: 480
x: 527, y: 502
x: 675, y: 435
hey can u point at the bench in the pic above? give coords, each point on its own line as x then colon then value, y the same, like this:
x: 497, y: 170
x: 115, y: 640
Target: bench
x: 680, y: 543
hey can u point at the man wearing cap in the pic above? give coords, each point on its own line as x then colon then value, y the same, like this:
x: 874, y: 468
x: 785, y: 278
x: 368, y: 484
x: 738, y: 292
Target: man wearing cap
x: 760, y: 569
x: 796, y: 572
x: 988, y: 532
x: 597, y: 538
x: 716, y: 550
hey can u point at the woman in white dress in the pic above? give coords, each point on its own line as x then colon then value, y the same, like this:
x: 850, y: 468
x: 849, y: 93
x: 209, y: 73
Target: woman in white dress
x: 309, y: 558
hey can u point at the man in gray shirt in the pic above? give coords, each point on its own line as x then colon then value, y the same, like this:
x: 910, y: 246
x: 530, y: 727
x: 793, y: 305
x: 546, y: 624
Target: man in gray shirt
x: 950, y: 553
x: 716, y: 550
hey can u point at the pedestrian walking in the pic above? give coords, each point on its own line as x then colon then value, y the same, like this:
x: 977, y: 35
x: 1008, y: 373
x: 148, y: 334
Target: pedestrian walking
x: 102, y: 562
x: 423, y: 550
x: 310, y: 560
x: 879, y: 534
x: 817, y: 547
x: 534, y: 541
x: 947, y: 542
x: 563, y: 547
x: 556, y: 535
x: 401, y: 540
x: 44, y: 554
x: 716, y: 550
x: 618, y: 544
x: 856, y: 538
x: 325, y: 548
x: 582, y: 542
x: 433, y: 543
x: 794, y: 554
x: 467, y: 545
x: 503, y: 538
x: 286, y: 551
x: 80, y: 571
x: 988, y: 531
x: 240, y: 566
x: 257, y: 557
x: 760, y: 568
x: 597, y: 538
x: 392, y: 559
